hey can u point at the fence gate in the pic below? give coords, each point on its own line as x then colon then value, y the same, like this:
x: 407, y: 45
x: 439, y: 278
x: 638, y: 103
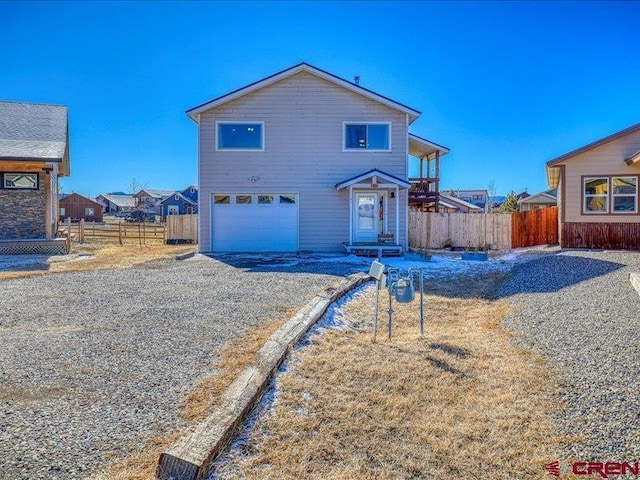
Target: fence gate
x: 535, y: 227
x: 182, y: 228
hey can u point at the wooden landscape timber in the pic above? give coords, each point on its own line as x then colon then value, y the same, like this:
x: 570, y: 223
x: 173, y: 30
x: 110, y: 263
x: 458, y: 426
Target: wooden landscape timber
x: 191, y: 456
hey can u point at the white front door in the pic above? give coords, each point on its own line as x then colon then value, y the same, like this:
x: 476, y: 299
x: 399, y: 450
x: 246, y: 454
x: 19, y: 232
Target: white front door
x: 365, y: 217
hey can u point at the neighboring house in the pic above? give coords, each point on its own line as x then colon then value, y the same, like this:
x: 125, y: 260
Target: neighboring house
x: 116, y: 202
x: 547, y: 198
x: 147, y: 199
x: 191, y: 192
x: 178, y: 204
x: 449, y: 204
x: 34, y: 153
x: 597, y: 191
x: 77, y: 207
x: 304, y: 160
x: 479, y: 198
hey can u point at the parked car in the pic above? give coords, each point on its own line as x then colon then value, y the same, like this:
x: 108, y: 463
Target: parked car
x: 141, y: 216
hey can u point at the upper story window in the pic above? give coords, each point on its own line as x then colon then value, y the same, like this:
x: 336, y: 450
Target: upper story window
x: 367, y: 136
x: 240, y: 136
x: 20, y: 181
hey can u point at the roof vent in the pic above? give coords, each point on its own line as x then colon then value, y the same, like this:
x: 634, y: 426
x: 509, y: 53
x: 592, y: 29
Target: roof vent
x: 356, y: 79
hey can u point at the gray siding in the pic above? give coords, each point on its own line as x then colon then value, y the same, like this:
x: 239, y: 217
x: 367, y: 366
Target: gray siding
x: 303, y: 119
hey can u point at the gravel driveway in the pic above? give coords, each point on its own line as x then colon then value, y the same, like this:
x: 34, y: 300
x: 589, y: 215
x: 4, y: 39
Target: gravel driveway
x: 580, y: 310
x: 92, y: 363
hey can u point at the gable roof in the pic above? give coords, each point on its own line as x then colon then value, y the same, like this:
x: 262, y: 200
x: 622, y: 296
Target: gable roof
x: 156, y: 193
x: 370, y: 174
x: 547, y: 196
x: 553, y: 174
x: 120, y: 200
x: 188, y: 200
x: 450, y: 199
x: 194, y: 112
x: 36, y: 132
x: 70, y: 198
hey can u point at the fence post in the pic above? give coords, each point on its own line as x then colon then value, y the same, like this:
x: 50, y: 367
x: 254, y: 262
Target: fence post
x: 120, y: 232
x: 139, y: 239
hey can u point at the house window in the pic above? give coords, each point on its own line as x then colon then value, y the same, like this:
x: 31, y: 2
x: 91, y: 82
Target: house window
x: 596, y: 195
x: 173, y: 210
x: 176, y: 197
x: 624, y: 192
x: 243, y: 199
x: 288, y: 199
x: 27, y: 181
x: 221, y: 199
x: 88, y: 212
x: 265, y: 199
x: 240, y: 136
x: 366, y: 136
x: 62, y: 211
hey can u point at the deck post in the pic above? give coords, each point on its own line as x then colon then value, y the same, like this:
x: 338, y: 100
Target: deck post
x: 397, y: 190
x: 351, y: 214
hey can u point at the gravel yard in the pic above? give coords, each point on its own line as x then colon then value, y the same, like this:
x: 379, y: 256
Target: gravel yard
x: 580, y: 310
x: 92, y: 363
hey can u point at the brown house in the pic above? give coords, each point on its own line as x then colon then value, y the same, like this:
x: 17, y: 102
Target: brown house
x: 597, y: 192
x: 77, y: 208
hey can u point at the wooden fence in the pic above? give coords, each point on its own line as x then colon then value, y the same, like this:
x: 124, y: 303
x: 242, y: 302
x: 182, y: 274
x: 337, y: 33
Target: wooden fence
x: 496, y: 231
x: 475, y: 230
x: 182, y: 229
x: 122, y: 233
x: 535, y: 227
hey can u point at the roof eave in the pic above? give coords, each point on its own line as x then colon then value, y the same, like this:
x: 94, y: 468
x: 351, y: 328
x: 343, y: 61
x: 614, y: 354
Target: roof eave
x: 194, y: 112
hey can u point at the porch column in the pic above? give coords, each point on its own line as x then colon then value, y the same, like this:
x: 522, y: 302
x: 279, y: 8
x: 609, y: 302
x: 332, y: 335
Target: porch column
x: 397, y: 190
x: 437, y: 175
x: 350, y: 215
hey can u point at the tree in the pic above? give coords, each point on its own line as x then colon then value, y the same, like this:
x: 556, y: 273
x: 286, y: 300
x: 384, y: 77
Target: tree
x: 491, y: 196
x: 510, y: 203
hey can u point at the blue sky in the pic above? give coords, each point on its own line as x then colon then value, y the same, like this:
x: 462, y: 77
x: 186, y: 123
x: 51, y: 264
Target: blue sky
x: 505, y: 85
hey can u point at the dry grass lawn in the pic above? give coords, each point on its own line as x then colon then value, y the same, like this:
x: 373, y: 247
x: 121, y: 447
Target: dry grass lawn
x: 460, y: 402
x: 102, y: 257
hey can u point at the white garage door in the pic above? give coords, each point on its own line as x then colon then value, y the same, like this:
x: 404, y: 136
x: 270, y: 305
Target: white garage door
x: 255, y: 222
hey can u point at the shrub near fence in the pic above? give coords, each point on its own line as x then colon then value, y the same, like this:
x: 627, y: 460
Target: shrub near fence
x: 476, y: 230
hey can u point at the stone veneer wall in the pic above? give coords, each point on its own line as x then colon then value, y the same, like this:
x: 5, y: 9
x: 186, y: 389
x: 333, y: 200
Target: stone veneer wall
x: 23, y: 212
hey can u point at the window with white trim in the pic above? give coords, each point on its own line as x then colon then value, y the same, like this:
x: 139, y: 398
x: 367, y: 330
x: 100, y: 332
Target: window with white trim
x: 173, y: 210
x: 240, y: 136
x: 88, y: 212
x: 366, y: 136
x: 624, y: 195
x: 596, y: 195
x: 27, y: 181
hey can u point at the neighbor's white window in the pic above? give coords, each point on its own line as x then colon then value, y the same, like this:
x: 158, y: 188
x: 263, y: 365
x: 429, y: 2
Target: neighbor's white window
x: 173, y: 210
x: 21, y: 180
x: 62, y: 211
x: 367, y: 136
x: 88, y: 212
x: 596, y: 195
x: 624, y: 192
x: 240, y: 136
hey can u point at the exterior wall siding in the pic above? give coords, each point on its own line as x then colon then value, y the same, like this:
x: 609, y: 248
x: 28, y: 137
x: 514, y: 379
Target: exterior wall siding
x: 23, y: 213
x: 75, y: 207
x: 303, y: 119
x: 605, y: 160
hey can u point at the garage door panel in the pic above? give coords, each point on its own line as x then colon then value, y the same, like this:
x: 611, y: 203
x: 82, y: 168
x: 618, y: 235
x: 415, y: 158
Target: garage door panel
x: 255, y: 227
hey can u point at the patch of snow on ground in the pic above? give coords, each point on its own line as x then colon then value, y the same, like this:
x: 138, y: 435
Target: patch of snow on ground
x: 240, y: 448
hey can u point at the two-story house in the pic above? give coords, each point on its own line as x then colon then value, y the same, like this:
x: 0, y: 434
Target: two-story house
x: 304, y: 161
